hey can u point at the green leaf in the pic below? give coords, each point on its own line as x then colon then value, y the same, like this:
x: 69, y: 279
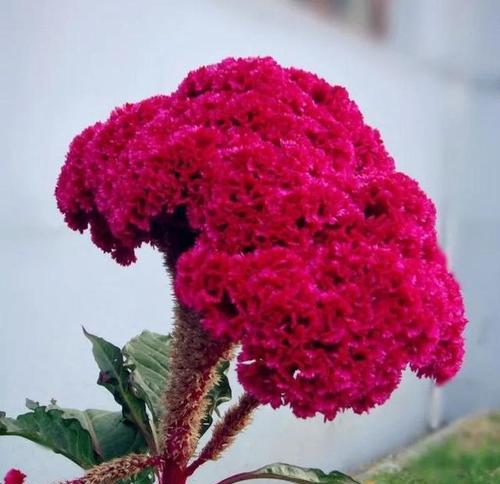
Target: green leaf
x: 115, y: 377
x: 48, y: 427
x: 218, y: 395
x: 112, y: 436
x: 289, y: 473
x: 147, y: 476
x: 146, y: 356
x: 86, y: 437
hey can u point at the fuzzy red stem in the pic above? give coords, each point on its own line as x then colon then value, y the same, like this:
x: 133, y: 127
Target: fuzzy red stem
x: 172, y: 474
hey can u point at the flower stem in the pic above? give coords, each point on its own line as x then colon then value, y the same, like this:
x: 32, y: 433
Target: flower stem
x: 173, y: 474
x: 193, y: 361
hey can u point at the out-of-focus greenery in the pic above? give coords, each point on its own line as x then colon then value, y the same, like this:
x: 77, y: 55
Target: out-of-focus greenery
x: 471, y: 456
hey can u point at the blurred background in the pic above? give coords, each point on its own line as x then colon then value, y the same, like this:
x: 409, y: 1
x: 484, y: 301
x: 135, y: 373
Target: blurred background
x: 426, y: 73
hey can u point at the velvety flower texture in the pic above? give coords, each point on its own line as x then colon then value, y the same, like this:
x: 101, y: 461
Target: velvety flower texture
x: 297, y: 238
x: 14, y: 476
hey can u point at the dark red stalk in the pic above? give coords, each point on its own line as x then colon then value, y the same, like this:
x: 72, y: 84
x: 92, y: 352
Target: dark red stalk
x: 173, y: 474
x: 193, y: 361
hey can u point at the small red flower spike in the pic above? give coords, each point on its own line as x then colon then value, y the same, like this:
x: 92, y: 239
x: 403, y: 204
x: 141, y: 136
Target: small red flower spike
x: 14, y: 476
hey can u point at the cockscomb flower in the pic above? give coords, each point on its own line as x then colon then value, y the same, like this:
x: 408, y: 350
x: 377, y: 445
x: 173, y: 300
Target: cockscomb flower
x: 14, y: 476
x: 290, y: 231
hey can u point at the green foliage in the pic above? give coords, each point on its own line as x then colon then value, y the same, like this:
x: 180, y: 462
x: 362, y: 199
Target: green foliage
x: 295, y: 474
x: 218, y: 395
x: 116, y: 378
x: 51, y: 428
x: 472, y: 456
x: 136, y: 377
x: 147, y: 476
x: 146, y: 358
x: 112, y: 436
x: 446, y: 465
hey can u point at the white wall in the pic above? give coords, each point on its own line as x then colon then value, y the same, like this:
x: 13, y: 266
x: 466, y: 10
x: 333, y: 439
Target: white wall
x: 474, y: 234
x: 68, y: 64
x: 458, y: 41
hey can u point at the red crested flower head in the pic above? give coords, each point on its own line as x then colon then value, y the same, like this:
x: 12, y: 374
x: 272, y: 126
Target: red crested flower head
x: 14, y: 476
x: 291, y: 230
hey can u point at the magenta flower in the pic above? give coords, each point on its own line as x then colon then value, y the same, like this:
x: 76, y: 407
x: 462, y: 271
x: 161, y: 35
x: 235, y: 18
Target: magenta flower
x: 14, y: 476
x: 293, y: 233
